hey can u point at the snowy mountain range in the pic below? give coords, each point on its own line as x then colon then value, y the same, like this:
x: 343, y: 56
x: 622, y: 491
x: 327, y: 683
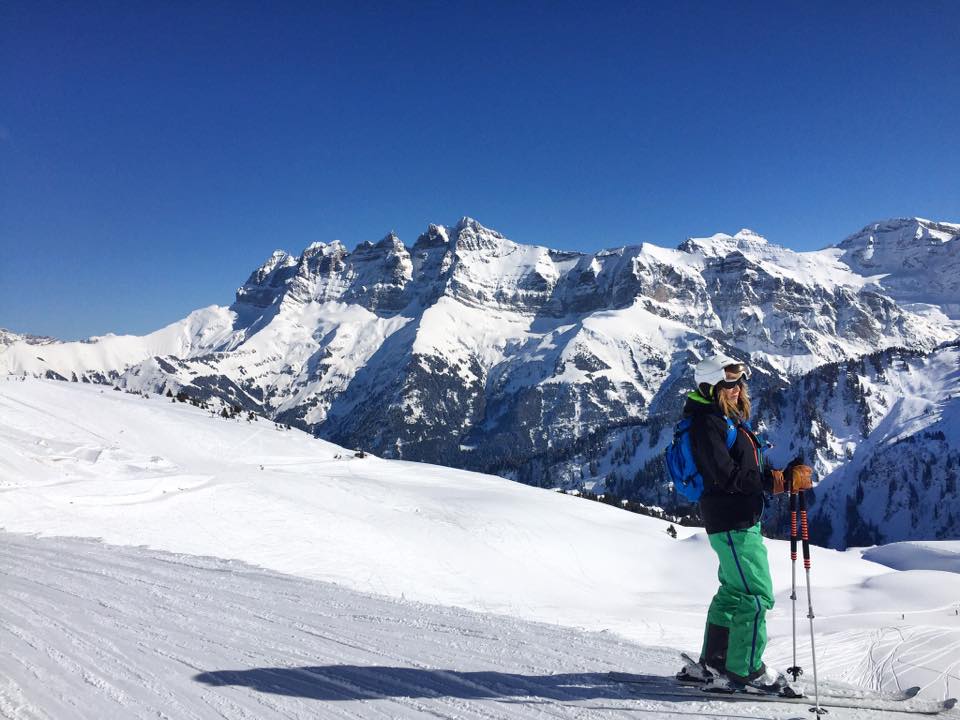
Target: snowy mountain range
x: 567, y: 369
x: 9, y: 338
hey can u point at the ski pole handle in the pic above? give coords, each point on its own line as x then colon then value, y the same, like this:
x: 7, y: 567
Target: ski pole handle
x: 793, y: 525
x: 804, y: 531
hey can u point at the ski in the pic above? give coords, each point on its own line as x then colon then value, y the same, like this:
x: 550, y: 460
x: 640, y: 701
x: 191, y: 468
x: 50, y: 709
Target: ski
x: 827, y: 688
x: 666, y: 687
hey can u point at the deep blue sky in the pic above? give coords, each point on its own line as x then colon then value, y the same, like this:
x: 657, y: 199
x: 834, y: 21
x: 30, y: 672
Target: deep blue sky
x: 153, y: 154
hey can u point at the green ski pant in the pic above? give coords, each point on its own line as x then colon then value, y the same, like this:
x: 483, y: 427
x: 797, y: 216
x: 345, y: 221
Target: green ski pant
x: 745, y: 595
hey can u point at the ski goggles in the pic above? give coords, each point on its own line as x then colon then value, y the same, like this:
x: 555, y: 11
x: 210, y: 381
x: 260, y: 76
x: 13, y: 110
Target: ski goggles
x: 742, y: 373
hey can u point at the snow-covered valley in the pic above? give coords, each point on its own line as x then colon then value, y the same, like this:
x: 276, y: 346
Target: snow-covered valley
x: 253, y: 572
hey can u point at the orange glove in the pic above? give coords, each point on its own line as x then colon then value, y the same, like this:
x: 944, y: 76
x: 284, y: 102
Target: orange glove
x: 799, y: 477
x: 778, y: 482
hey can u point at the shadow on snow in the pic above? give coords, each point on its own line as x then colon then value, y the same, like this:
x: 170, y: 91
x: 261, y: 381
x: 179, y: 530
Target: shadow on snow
x: 369, y: 682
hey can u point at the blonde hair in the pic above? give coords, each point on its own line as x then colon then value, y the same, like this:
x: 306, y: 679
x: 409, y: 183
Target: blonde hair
x: 739, y: 410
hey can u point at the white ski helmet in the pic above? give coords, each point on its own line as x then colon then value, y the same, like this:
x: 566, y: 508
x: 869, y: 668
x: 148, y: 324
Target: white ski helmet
x: 713, y: 370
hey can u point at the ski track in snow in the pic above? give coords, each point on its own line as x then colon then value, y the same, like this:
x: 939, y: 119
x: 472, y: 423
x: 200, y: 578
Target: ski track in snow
x: 98, y: 631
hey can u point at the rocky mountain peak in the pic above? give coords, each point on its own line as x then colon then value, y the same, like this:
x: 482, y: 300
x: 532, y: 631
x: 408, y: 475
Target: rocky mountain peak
x: 471, y: 236
x: 721, y: 244
x: 900, y: 234
x: 320, y: 249
x: 267, y: 282
x: 748, y: 236
x: 468, y: 223
x: 391, y: 241
x: 319, y: 270
x: 918, y: 259
x: 390, y: 244
x: 435, y: 236
x: 278, y: 259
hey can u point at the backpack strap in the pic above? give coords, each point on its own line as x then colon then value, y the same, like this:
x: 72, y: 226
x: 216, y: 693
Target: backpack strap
x: 758, y: 443
x: 731, y: 433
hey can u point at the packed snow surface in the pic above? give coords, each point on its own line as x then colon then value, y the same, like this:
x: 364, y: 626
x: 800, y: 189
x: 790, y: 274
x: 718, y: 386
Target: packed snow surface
x: 306, y: 582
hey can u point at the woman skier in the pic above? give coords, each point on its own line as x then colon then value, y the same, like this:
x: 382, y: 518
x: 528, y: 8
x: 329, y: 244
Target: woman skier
x: 734, y: 481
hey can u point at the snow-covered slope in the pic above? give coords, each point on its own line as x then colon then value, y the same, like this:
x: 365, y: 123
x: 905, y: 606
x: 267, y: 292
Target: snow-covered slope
x: 944, y: 555
x: 128, y: 633
x: 101, y: 359
x: 83, y: 460
x: 102, y: 632
x: 110, y: 633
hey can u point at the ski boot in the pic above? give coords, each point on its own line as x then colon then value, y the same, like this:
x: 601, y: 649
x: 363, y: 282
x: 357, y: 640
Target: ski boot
x: 765, y: 681
x: 695, y: 671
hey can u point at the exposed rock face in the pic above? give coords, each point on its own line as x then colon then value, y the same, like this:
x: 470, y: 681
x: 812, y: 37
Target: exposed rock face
x: 268, y: 282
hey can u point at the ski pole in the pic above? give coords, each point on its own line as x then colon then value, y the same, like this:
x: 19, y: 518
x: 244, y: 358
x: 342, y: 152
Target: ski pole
x: 805, y: 537
x: 796, y: 670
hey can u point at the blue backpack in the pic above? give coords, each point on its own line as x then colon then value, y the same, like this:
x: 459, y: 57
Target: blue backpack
x: 679, y: 457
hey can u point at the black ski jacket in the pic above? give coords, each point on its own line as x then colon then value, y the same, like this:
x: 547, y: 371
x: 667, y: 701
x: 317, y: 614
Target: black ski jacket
x: 733, y: 481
